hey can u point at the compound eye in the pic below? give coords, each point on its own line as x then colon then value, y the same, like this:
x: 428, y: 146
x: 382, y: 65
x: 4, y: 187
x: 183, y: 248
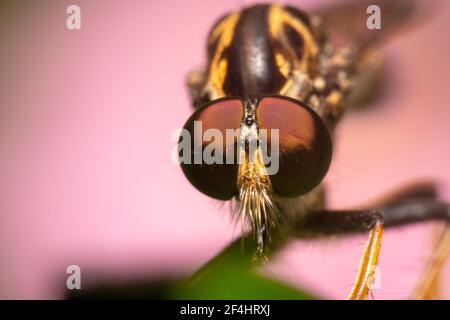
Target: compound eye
x: 205, y: 145
x: 304, y: 144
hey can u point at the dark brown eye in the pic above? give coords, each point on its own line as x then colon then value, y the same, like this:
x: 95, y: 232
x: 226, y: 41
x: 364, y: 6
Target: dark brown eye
x: 304, y: 144
x: 207, y: 129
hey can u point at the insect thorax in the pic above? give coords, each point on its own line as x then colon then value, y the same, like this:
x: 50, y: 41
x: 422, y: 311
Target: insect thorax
x: 270, y: 49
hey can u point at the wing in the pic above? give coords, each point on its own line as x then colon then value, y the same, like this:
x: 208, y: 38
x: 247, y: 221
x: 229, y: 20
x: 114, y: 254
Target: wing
x: 346, y: 21
x: 345, y: 25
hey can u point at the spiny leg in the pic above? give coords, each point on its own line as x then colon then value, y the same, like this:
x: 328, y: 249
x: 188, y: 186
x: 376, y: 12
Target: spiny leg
x: 367, y: 268
x: 422, y: 210
x: 418, y: 190
x: 428, y: 284
x: 343, y: 222
x: 426, y: 288
x: 396, y: 214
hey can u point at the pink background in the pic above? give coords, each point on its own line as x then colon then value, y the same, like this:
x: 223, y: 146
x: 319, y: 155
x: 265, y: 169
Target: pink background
x: 86, y: 178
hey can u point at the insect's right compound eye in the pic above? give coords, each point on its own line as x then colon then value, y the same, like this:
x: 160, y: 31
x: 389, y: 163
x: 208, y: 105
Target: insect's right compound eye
x: 304, y: 144
x: 208, y: 138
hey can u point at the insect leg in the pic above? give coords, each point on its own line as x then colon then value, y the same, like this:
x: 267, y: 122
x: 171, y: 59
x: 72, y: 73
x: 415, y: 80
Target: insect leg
x: 344, y: 222
x: 369, y: 259
x: 195, y: 82
x: 414, y: 204
x: 427, y: 287
x: 417, y: 190
x: 394, y: 214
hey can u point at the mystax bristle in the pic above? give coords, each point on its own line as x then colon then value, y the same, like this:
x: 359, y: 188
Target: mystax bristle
x: 256, y: 199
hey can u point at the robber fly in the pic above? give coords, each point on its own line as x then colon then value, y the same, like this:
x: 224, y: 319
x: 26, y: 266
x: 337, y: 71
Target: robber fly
x: 278, y: 67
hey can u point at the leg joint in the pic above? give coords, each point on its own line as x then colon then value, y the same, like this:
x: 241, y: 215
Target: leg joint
x: 373, y: 218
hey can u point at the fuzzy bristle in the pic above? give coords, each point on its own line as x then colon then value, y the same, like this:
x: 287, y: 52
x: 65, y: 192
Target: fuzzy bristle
x: 256, y: 203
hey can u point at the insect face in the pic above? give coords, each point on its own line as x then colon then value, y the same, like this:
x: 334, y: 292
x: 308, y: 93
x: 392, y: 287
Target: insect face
x: 299, y: 141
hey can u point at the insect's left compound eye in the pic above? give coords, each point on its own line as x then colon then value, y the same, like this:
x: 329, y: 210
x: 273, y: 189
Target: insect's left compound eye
x: 208, y: 139
x: 304, y: 144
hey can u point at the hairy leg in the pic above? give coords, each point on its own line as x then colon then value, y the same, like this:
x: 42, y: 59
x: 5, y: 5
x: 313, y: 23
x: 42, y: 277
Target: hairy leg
x: 428, y: 284
x: 412, y: 205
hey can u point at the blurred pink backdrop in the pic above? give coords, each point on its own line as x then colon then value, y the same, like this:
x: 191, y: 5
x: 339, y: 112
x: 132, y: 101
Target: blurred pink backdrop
x: 86, y: 178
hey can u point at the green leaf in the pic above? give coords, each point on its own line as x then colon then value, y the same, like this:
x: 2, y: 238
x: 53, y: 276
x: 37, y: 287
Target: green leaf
x: 231, y: 275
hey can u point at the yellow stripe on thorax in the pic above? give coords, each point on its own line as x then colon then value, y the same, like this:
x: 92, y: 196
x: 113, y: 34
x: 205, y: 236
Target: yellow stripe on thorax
x: 278, y: 18
x: 224, y: 32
